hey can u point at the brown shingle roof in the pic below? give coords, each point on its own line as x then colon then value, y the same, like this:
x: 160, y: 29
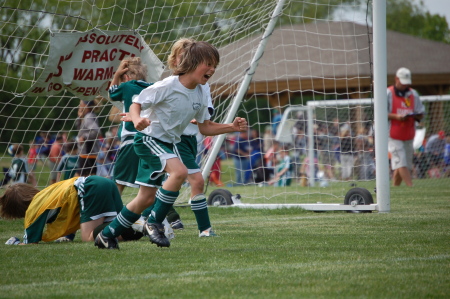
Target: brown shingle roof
x: 305, y: 56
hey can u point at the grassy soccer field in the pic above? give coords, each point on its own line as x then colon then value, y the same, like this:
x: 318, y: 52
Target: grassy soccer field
x: 259, y: 254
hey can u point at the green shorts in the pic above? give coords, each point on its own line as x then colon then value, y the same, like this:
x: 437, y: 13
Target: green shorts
x: 98, y: 197
x: 187, y: 148
x: 153, y: 154
x: 126, y: 164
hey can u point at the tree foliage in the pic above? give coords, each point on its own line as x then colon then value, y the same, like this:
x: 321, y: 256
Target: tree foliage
x: 412, y: 18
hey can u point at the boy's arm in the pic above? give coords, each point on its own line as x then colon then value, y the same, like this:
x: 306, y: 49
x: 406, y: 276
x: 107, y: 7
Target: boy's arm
x: 140, y: 123
x: 122, y: 69
x: 33, y: 233
x: 210, y: 128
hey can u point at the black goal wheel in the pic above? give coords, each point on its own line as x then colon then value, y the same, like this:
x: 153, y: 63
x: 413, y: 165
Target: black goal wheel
x: 358, y: 196
x: 220, y: 197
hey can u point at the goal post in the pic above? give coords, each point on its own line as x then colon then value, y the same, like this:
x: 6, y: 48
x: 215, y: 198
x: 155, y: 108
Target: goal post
x: 243, y: 87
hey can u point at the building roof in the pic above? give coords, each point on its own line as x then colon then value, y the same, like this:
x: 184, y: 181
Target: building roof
x: 331, y: 56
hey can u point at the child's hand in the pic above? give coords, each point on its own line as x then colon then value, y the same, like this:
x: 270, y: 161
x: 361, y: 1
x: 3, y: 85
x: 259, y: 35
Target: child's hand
x: 121, y: 70
x: 125, y: 117
x: 194, y: 122
x: 240, y: 124
x: 141, y: 123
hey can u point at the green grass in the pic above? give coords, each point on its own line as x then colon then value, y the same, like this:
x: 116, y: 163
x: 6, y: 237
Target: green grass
x: 288, y: 253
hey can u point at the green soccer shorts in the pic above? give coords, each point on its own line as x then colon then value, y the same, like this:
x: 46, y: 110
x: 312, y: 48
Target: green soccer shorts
x: 153, y: 154
x: 99, y: 197
x: 187, y: 149
x: 126, y: 165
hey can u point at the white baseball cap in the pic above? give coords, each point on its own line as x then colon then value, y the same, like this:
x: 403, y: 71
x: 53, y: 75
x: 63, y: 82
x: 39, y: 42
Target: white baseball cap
x: 404, y: 75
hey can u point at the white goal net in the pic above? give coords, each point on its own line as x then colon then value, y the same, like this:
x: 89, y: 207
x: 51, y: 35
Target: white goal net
x: 318, y: 51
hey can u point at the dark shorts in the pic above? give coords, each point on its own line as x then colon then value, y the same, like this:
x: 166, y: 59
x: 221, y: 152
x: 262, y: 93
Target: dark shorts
x: 98, y: 197
x: 126, y: 165
x: 153, y: 154
x: 187, y: 149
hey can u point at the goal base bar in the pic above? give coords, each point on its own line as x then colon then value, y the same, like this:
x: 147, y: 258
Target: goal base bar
x: 310, y: 207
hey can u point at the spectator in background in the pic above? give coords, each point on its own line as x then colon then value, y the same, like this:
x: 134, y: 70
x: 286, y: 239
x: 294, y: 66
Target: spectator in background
x: 32, y: 156
x: 300, y: 142
x: 44, y: 142
x: 283, y: 174
x: 256, y: 156
x: 326, y: 152
x: 88, y: 138
x: 366, y: 162
x: 347, y: 154
x: 216, y: 168
x: 242, y: 151
x: 404, y: 109
x: 270, y: 161
x: 67, y: 166
x: 447, y: 156
x: 276, y: 120
x: 267, y: 139
x: 305, y: 175
x: 54, y: 157
x: 19, y: 171
x: 434, y: 151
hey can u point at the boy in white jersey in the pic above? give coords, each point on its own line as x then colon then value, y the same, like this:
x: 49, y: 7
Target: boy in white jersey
x: 170, y: 104
x: 129, y: 80
x: 187, y: 148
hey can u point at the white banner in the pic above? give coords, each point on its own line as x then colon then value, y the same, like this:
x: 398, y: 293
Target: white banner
x: 84, y: 63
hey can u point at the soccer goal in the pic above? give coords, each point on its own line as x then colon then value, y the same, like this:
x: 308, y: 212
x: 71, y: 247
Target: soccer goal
x: 278, y: 59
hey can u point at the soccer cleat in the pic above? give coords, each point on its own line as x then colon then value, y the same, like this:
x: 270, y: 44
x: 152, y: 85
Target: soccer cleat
x: 12, y: 241
x: 139, y: 224
x: 207, y: 233
x: 168, y: 231
x: 177, y: 224
x: 155, y: 233
x: 63, y: 240
x: 103, y: 242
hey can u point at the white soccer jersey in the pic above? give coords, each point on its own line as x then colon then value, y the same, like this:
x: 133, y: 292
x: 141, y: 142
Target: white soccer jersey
x: 170, y: 107
x: 192, y: 129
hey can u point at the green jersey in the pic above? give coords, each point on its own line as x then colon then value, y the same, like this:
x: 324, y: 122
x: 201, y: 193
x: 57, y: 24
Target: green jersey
x: 18, y: 170
x: 68, y: 166
x: 125, y: 93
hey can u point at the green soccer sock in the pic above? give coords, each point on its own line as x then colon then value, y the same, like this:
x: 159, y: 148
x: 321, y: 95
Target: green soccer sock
x: 200, y: 209
x: 147, y: 211
x: 173, y: 215
x: 124, y: 220
x: 164, y: 201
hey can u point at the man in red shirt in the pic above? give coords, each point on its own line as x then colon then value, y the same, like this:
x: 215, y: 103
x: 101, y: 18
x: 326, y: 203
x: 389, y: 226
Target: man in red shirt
x: 404, y: 109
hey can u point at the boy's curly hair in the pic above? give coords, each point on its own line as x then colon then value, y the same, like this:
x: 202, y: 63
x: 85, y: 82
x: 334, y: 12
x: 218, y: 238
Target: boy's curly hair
x: 136, y: 69
x: 16, y: 199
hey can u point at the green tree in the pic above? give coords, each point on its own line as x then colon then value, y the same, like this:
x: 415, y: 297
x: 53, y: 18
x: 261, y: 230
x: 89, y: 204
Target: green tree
x: 26, y: 27
x: 412, y: 18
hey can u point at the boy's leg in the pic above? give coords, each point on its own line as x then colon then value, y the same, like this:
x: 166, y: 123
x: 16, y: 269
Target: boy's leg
x: 174, y: 219
x: 163, y: 204
x: 87, y: 229
x: 130, y: 213
x: 198, y: 201
x: 168, y: 193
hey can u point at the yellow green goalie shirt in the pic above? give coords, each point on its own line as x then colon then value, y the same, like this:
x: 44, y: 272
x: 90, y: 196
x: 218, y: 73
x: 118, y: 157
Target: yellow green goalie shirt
x: 53, y: 212
x: 59, y: 209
